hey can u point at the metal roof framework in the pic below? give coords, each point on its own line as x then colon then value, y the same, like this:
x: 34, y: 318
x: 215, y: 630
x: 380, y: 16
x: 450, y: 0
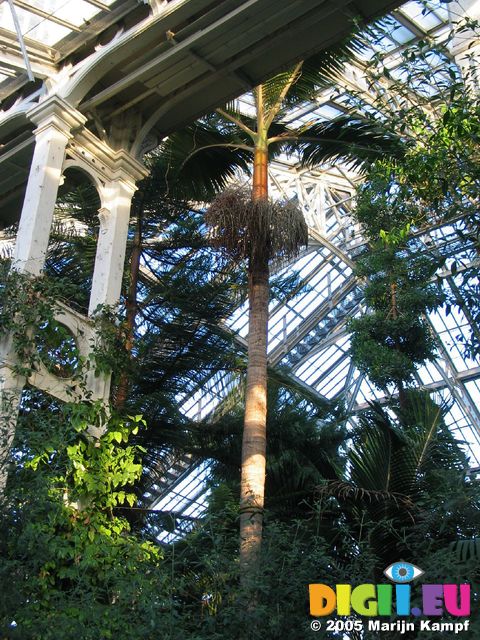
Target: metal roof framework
x: 155, y: 66
x: 307, y: 333
x: 139, y: 70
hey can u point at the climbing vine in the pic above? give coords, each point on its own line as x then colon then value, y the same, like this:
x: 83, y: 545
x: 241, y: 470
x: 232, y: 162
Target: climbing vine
x: 67, y: 550
x: 30, y: 314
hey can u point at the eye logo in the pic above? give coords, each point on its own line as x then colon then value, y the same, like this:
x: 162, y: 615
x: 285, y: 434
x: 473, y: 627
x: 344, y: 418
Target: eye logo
x: 373, y: 600
x: 402, y: 572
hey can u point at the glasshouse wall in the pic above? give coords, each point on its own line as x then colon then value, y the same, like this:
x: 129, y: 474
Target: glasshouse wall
x: 297, y: 489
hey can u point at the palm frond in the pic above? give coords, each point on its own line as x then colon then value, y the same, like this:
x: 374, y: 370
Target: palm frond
x: 375, y: 451
x: 202, y: 158
x: 467, y: 550
x: 347, y: 490
x: 357, y: 140
x: 326, y: 66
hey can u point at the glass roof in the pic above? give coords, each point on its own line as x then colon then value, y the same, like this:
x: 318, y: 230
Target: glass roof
x: 307, y: 331
x: 48, y: 22
x: 45, y: 25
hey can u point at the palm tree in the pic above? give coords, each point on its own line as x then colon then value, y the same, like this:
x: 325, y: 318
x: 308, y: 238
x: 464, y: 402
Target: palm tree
x: 405, y: 480
x: 251, y: 228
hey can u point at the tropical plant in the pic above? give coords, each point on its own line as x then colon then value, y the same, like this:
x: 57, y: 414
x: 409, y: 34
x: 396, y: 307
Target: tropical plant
x: 406, y: 479
x: 73, y: 566
x: 210, y: 152
x: 392, y: 338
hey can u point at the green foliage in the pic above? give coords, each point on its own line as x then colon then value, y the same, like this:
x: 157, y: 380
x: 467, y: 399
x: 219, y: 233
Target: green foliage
x: 403, y: 494
x: 213, y: 604
x: 99, y: 466
x: 406, y: 493
x: 437, y: 182
x: 303, y: 445
x: 31, y: 315
x: 73, y: 239
x: 74, y: 568
x: 26, y: 304
x: 107, y: 353
x: 393, y: 338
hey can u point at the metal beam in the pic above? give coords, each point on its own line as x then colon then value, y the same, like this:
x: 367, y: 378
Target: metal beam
x: 331, y: 247
x: 21, y: 41
x: 311, y: 322
x: 454, y: 383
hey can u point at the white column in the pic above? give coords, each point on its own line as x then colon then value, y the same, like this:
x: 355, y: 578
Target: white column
x: 111, y: 245
x: 54, y: 119
x: 109, y: 265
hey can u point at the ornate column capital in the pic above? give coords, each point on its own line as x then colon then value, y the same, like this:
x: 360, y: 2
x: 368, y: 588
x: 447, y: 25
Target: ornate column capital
x: 56, y: 112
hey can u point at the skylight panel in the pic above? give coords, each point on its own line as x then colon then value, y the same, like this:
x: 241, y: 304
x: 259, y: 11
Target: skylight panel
x: 440, y: 9
x: 207, y: 396
x: 77, y: 12
x: 47, y: 32
x: 452, y: 329
x: 473, y: 388
x: 386, y: 39
x: 334, y: 383
x: 310, y: 369
x: 402, y: 34
x: 459, y: 425
x: 189, y: 498
x: 49, y: 21
x: 366, y: 393
x: 32, y: 26
x: 298, y: 111
x: 429, y: 374
x: 327, y: 112
x: 314, y: 370
x: 425, y: 19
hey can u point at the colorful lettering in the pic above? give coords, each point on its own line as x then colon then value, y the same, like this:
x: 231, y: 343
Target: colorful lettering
x: 322, y: 600
x: 451, y: 599
x: 364, y: 600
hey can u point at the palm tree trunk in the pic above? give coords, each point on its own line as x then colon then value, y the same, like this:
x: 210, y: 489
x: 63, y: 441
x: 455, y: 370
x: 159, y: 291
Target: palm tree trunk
x: 255, y: 422
x: 252, y: 489
x: 260, y: 173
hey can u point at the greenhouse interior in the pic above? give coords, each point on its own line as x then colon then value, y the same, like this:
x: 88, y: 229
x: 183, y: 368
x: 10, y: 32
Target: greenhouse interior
x: 239, y: 319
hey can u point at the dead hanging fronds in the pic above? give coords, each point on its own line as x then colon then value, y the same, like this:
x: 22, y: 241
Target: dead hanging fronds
x: 244, y: 228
